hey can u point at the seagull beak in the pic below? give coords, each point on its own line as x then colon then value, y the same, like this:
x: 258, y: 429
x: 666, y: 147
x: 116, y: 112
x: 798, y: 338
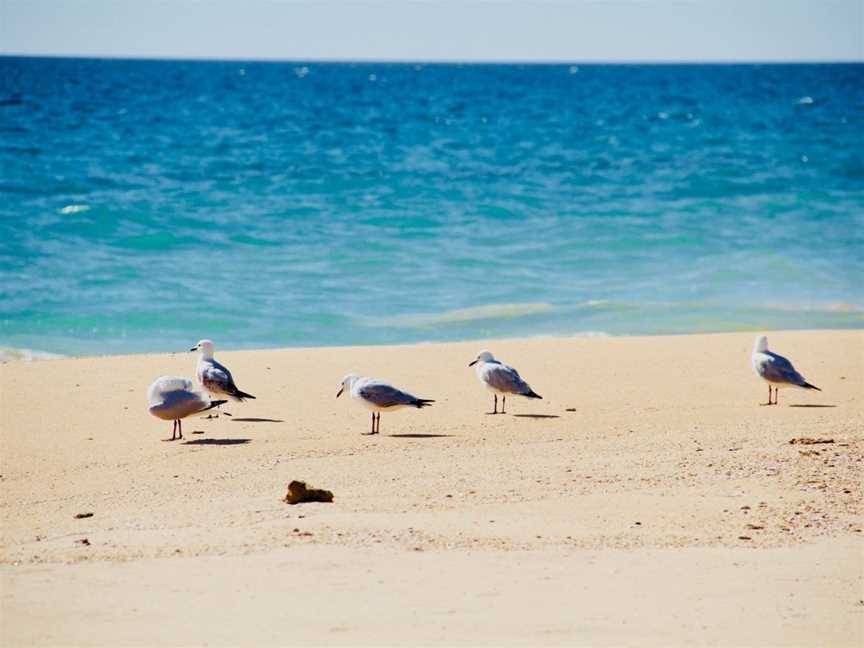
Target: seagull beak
x: 339, y: 393
x: 471, y: 364
x: 194, y: 349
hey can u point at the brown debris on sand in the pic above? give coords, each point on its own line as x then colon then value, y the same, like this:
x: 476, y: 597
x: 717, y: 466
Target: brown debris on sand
x: 298, y: 492
x: 809, y: 441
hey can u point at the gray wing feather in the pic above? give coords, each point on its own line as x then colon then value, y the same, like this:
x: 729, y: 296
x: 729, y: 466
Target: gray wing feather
x: 384, y: 395
x: 779, y: 369
x: 217, y: 376
x: 506, y: 379
x: 179, y: 404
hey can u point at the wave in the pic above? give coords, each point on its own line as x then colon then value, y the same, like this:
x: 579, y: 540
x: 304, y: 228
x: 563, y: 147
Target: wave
x: 609, y: 308
x: 837, y: 307
x: 12, y: 354
x: 462, y: 315
x: 844, y: 308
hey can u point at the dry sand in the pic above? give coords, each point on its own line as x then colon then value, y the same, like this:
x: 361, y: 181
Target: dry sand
x: 647, y: 500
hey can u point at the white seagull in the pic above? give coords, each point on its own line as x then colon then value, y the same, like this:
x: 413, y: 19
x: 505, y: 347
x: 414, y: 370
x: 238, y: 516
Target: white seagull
x: 172, y: 399
x: 500, y: 378
x: 214, y: 376
x: 379, y: 397
x: 776, y: 370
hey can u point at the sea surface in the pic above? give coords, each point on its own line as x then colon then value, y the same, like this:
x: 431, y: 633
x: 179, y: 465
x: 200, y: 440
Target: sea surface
x: 147, y: 204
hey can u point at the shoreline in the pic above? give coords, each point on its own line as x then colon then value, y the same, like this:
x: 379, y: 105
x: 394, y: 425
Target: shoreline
x: 39, y: 355
x: 648, y: 498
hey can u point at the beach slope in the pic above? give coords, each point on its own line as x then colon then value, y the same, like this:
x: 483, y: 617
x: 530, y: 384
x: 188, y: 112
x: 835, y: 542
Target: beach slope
x: 647, y: 499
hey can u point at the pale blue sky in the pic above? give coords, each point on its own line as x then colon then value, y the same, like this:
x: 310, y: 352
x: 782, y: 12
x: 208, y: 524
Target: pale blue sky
x: 467, y: 30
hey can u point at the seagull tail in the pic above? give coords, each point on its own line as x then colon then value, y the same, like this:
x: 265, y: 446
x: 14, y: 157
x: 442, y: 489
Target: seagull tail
x: 807, y: 385
x: 240, y: 396
x: 214, y: 404
x: 532, y: 394
x: 422, y: 402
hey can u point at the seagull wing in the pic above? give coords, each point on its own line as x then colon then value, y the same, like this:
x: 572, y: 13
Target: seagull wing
x: 384, y: 395
x: 179, y: 404
x: 166, y: 384
x: 217, y: 379
x: 505, y: 379
x: 778, y: 369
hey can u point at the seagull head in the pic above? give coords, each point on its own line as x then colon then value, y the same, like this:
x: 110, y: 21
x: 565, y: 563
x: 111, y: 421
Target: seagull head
x: 761, y: 344
x: 205, y: 347
x: 483, y: 356
x: 346, y: 383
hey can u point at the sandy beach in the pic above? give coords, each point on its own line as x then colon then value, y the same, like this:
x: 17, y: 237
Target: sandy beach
x: 648, y: 499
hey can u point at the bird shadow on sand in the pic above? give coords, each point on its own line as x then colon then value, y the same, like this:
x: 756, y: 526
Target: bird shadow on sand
x: 537, y: 416
x: 257, y: 420
x: 419, y: 436
x: 217, y: 442
x: 812, y: 405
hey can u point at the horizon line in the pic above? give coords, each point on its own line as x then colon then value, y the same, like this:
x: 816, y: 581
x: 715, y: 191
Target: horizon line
x: 436, y: 61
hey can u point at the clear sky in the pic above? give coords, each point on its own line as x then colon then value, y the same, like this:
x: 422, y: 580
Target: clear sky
x: 465, y: 30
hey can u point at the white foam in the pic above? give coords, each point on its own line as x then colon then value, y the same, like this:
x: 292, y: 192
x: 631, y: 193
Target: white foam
x: 476, y: 313
x: 834, y: 307
x: 74, y: 209
x: 10, y: 354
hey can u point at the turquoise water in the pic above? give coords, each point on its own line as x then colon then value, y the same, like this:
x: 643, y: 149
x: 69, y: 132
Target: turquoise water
x: 145, y: 205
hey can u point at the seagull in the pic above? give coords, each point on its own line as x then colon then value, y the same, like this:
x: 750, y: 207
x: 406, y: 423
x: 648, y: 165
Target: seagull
x: 172, y: 399
x: 776, y: 370
x: 214, y: 376
x: 379, y: 396
x: 500, y: 378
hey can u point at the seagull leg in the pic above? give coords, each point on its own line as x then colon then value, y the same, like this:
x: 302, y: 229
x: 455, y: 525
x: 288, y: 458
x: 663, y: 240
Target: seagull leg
x: 503, y: 402
x: 378, y: 427
x: 373, y: 425
x: 495, y: 409
x: 776, y: 395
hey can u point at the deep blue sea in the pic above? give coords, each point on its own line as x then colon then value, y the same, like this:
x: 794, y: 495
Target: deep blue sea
x: 147, y: 204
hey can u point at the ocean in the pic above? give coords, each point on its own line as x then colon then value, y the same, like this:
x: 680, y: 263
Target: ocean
x: 147, y: 204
